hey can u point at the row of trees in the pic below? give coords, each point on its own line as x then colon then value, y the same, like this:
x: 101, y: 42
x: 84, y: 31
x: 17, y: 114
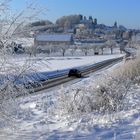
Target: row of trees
x: 84, y: 48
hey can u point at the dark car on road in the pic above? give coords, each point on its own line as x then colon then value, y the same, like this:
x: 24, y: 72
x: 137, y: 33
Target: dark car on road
x: 74, y: 72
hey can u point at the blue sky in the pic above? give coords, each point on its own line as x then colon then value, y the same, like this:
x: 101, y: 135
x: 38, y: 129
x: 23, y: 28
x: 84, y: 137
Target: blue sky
x: 125, y: 12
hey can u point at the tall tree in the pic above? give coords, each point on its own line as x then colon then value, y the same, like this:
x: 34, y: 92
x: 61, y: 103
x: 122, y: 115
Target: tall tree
x: 111, y: 44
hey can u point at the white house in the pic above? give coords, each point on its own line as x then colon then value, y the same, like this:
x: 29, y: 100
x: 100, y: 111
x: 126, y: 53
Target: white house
x: 53, y: 39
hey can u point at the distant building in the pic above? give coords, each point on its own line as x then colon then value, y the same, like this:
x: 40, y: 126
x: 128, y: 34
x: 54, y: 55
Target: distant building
x: 53, y: 39
x: 127, y: 35
x: 136, y: 37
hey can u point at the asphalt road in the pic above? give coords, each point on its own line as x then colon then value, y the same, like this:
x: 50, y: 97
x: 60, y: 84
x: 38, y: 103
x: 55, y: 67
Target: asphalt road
x: 53, y: 82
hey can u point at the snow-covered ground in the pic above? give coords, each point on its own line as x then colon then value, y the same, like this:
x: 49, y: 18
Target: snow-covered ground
x: 35, y: 123
x: 42, y: 63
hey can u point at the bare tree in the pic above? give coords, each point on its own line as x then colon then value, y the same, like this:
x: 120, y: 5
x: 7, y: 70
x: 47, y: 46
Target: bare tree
x: 85, y: 49
x: 134, y: 43
x: 12, y: 25
x: 102, y: 49
x: 73, y: 48
x: 111, y: 44
x: 95, y: 49
x: 63, y: 49
x: 13, y: 79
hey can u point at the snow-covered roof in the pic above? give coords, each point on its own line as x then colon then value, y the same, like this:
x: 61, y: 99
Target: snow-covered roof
x: 54, y: 37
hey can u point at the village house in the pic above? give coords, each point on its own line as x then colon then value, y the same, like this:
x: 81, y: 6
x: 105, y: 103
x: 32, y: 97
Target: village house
x: 53, y: 40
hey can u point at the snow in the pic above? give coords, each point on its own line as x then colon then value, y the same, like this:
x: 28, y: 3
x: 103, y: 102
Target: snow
x: 43, y: 63
x: 37, y: 126
x: 33, y: 121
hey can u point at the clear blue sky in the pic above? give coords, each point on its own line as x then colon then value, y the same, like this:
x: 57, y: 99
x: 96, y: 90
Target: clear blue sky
x: 125, y: 12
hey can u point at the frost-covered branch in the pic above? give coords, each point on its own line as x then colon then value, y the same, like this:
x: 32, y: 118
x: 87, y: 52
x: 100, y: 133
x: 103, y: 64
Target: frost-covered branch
x: 14, y: 76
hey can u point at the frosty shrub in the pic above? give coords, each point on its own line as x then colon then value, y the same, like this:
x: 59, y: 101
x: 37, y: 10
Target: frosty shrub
x: 114, y: 88
x: 111, y: 93
x: 79, y: 101
x: 130, y: 70
x: 103, y: 98
x: 13, y: 75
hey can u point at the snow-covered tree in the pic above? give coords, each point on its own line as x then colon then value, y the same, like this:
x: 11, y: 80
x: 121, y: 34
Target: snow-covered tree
x: 102, y: 49
x: 95, y: 48
x: 73, y: 48
x: 85, y: 49
x: 63, y: 49
x: 13, y: 75
x: 111, y: 44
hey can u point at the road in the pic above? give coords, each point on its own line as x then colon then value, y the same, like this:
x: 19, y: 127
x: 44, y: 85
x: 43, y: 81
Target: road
x: 61, y: 79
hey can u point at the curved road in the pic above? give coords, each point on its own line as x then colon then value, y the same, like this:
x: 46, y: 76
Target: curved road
x: 61, y: 79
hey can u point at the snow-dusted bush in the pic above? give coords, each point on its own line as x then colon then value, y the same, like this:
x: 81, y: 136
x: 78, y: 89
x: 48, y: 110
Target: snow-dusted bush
x: 79, y: 101
x: 103, y: 98
x: 13, y: 75
x: 130, y: 70
x: 111, y: 93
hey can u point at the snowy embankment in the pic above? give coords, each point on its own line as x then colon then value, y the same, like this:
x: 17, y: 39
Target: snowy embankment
x: 42, y: 116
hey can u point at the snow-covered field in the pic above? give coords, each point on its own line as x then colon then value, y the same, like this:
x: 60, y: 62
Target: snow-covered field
x: 42, y: 63
x: 35, y: 122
